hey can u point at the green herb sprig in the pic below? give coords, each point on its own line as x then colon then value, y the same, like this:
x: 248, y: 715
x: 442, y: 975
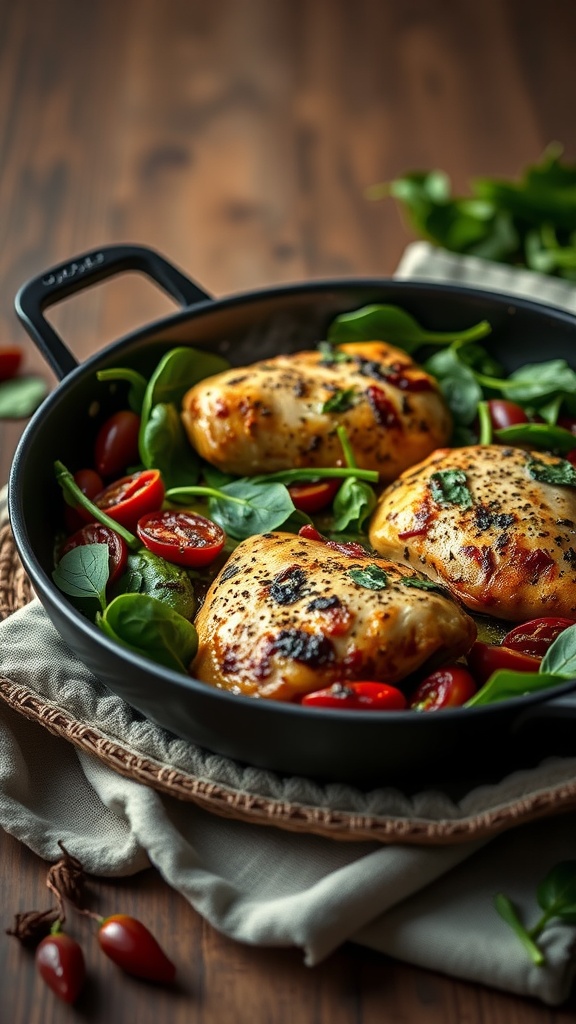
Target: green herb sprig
x: 556, y: 896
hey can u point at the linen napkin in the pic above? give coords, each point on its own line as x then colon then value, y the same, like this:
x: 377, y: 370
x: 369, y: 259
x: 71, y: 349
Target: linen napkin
x: 431, y: 906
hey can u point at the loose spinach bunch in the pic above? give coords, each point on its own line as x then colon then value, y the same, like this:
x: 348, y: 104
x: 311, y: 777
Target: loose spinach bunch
x: 468, y: 375
x: 556, y: 895
x: 530, y: 222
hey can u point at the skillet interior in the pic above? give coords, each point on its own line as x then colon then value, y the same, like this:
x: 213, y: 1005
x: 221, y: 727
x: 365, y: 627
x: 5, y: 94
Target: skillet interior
x: 364, y: 748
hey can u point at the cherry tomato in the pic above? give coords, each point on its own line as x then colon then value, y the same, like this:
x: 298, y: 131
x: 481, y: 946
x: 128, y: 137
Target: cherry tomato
x: 181, y: 537
x: 536, y: 636
x: 505, y: 414
x: 359, y: 696
x: 449, y: 687
x: 116, y: 444
x: 568, y: 422
x: 60, y: 962
x: 315, y: 496
x: 10, y: 360
x: 90, y: 483
x: 484, y: 659
x: 129, y: 498
x: 96, y: 533
x: 132, y: 947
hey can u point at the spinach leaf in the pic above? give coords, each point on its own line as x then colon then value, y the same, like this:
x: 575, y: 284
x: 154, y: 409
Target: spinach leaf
x: 537, y: 435
x: 371, y: 578
x: 556, y: 894
x: 178, y: 370
x: 560, y: 658
x: 147, y: 573
x: 331, y: 354
x: 448, y: 487
x: 352, y: 505
x: 165, y: 446
x: 421, y: 583
x: 396, y: 326
x: 244, y: 507
x: 561, y: 474
x: 340, y: 401
x: 83, y: 572
x: 457, y: 383
x: 505, y: 684
x: 534, y: 382
x: 150, y: 628
x: 74, y: 496
x: 21, y: 396
x: 136, y: 381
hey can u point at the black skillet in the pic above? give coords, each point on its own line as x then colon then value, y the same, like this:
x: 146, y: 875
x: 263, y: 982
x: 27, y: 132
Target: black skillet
x: 365, y: 748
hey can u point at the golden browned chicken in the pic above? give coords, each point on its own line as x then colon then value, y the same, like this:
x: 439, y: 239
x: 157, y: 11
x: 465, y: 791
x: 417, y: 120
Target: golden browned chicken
x: 491, y: 524
x: 288, y: 615
x: 283, y: 412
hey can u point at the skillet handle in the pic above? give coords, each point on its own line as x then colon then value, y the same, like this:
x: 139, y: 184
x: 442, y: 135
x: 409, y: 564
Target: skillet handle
x: 83, y: 271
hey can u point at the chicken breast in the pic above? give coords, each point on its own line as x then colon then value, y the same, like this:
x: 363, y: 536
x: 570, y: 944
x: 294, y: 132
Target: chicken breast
x: 283, y: 412
x: 491, y: 524
x: 288, y: 615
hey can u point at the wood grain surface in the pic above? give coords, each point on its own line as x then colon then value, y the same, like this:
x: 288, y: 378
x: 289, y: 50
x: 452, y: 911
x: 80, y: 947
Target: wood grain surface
x: 237, y: 137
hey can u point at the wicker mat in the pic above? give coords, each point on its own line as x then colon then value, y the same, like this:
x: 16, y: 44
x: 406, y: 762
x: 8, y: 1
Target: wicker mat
x: 528, y: 799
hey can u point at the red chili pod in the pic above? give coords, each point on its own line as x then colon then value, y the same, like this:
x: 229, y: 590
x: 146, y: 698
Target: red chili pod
x: 60, y: 962
x: 132, y: 947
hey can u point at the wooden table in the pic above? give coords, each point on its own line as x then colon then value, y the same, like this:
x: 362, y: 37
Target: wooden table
x: 237, y: 136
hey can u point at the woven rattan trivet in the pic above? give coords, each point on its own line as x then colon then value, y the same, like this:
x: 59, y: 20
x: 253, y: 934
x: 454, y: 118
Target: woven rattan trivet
x: 16, y: 591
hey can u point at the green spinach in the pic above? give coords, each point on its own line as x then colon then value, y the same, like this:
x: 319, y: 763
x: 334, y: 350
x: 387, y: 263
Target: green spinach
x: 396, y: 326
x: 150, y: 628
x: 83, y: 572
x: 556, y: 896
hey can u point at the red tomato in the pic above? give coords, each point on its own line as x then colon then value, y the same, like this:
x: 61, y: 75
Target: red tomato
x: 360, y: 696
x: 315, y: 496
x: 96, y: 533
x: 536, y: 636
x: 10, y: 360
x: 90, y: 483
x: 449, y: 687
x: 181, y: 537
x: 568, y: 422
x: 116, y: 444
x: 505, y: 414
x: 129, y: 498
x: 60, y: 962
x: 484, y: 659
x: 132, y: 947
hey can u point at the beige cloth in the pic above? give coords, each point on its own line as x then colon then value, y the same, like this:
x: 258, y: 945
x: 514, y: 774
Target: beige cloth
x: 428, y: 906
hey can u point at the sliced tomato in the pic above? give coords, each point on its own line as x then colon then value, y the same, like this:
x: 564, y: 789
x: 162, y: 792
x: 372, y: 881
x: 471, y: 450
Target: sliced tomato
x: 116, y: 444
x: 364, y: 695
x: 505, y: 414
x: 449, y: 687
x: 536, y: 636
x: 314, y: 496
x: 181, y: 537
x: 10, y: 361
x: 484, y: 659
x: 128, y: 499
x: 96, y: 533
x: 90, y: 483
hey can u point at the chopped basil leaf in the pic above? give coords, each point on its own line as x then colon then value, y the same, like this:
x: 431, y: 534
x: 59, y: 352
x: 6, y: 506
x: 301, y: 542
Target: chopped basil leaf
x: 332, y: 354
x: 448, y: 487
x: 340, y: 401
x: 422, y: 584
x: 372, y: 577
x: 561, y: 473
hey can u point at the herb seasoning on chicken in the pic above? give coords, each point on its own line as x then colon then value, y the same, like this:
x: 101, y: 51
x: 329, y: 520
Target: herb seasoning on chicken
x: 299, y: 614
x: 496, y: 525
x: 283, y: 412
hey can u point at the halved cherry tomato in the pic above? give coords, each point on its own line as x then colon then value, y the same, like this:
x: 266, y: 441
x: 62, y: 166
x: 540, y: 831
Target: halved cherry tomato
x: 127, y: 942
x: 10, y: 360
x: 449, y: 687
x: 116, y: 444
x: 96, y: 533
x: 505, y: 414
x: 536, y: 636
x: 359, y: 696
x: 90, y: 483
x: 60, y: 962
x: 315, y: 496
x: 181, y: 537
x: 484, y: 659
x: 129, y: 498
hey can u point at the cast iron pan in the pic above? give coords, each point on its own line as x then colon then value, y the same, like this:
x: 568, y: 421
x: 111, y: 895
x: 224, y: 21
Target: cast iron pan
x: 365, y: 748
